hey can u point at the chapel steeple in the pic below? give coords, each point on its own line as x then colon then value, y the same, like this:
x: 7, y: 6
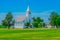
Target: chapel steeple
x: 28, y: 12
x: 28, y: 15
x: 28, y: 8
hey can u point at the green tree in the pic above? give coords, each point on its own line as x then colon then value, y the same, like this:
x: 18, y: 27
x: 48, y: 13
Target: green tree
x: 53, y: 18
x: 37, y: 22
x: 27, y: 24
x: 58, y: 22
x: 8, y: 20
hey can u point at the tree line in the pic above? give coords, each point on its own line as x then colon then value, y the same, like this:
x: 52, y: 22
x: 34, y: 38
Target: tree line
x: 37, y: 22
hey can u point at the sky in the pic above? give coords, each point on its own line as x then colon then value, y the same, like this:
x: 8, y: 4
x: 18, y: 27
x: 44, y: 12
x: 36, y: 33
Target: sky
x: 41, y: 8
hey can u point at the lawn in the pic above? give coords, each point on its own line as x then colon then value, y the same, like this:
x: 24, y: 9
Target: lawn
x: 29, y: 34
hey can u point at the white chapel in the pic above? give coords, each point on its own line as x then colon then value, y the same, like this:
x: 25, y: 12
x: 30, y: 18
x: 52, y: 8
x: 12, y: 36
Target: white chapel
x: 21, y: 20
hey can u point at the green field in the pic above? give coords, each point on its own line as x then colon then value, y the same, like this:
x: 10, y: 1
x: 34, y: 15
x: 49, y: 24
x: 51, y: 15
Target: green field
x: 29, y: 34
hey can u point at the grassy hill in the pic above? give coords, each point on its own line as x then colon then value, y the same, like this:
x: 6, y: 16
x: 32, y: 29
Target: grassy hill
x: 29, y: 34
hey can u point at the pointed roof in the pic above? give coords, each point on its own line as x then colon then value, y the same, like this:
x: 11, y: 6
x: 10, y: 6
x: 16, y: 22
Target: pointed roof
x: 28, y: 9
x: 20, y: 18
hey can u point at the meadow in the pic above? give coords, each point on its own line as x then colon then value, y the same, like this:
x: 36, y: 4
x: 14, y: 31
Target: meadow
x: 29, y: 34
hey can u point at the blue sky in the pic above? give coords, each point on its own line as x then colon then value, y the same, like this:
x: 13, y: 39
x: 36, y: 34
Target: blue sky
x: 41, y: 8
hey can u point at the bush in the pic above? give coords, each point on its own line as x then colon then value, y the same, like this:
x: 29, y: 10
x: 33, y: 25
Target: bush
x: 1, y: 26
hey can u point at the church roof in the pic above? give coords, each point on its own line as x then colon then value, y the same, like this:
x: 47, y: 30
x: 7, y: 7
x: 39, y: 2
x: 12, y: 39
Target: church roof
x: 20, y: 18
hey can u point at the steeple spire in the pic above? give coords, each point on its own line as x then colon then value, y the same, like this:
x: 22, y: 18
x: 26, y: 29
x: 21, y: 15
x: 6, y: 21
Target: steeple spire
x: 28, y: 12
x: 28, y: 9
x: 28, y: 15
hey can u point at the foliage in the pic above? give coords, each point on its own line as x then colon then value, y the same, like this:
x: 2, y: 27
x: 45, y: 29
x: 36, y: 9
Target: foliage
x: 37, y: 22
x: 58, y: 21
x: 1, y: 26
x: 27, y: 24
x: 44, y: 24
x: 53, y: 18
x: 8, y: 20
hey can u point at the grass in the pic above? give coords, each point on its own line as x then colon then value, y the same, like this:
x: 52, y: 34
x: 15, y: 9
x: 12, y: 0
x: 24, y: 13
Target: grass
x: 29, y: 34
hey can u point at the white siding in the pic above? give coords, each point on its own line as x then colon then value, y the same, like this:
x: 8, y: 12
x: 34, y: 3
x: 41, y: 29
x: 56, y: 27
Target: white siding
x: 19, y: 25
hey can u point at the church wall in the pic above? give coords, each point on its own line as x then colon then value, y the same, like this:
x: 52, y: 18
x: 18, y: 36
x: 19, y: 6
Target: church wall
x: 19, y: 25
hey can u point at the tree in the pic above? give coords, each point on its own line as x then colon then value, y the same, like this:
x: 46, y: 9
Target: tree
x: 58, y: 22
x: 53, y: 17
x: 8, y: 20
x: 37, y: 22
x: 27, y: 24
